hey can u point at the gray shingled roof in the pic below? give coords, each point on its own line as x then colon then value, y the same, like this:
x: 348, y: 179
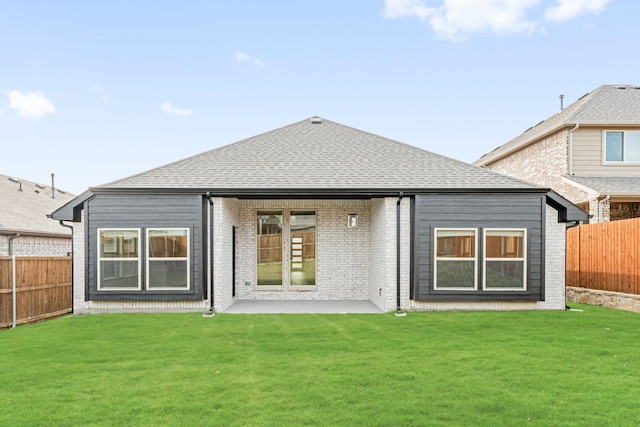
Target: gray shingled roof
x: 613, y: 186
x: 26, y: 211
x: 317, y: 156
x: 607, y: 105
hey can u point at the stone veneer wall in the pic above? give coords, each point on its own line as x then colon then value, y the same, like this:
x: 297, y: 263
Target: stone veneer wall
x: 617, y: 300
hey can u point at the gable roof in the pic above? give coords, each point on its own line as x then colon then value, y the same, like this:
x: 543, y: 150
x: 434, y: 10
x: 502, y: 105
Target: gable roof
x: 24, y: 206
x: 607, y: 105
x: 315, y: 156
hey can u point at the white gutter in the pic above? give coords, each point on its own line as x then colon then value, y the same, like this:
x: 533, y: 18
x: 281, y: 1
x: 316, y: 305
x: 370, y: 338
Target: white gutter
x: 571, y: 148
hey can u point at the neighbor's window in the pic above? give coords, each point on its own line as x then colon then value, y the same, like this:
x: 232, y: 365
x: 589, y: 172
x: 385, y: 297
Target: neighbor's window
x: 168, y: 258
x: 456, y: 261
x: 505, y: 259
x: 622, y: 146
x: 118, y: 259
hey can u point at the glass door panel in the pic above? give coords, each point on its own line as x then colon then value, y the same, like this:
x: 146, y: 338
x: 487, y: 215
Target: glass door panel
x: 303, y: 248
x: 269, y: 242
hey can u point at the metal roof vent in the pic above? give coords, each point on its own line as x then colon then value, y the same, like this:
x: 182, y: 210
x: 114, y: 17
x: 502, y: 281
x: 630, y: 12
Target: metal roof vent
x: 316, y: 120
x: 17, y: 181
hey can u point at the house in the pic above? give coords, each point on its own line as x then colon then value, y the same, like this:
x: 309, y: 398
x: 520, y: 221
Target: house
x: 589, y: 153
x: 25, y: 229
x: 318, y: 211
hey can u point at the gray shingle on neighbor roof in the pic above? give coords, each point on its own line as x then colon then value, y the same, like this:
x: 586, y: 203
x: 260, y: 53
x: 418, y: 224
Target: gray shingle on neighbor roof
x: 317, y: 156
x: 26, y: 211
x: 621, y: 185
x: 606, y: 105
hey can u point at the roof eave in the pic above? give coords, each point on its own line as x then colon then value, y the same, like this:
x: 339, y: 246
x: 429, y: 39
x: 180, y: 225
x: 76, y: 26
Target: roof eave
x: 317, y: 193
x: 30, y: 233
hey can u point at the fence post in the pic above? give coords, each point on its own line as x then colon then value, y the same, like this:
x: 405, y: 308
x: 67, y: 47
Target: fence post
x: 13, y: 291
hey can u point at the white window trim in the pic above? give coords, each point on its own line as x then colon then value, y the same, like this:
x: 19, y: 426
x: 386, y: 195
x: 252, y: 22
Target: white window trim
x: 100, y: 259
x: 604, y: 147
x: 436, y: 259
x: 187, y: 259
x: 486, y: 259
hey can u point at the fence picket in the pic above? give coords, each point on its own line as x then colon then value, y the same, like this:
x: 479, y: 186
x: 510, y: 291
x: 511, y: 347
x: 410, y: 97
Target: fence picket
x: 43, y: 288
x: 604, y: 256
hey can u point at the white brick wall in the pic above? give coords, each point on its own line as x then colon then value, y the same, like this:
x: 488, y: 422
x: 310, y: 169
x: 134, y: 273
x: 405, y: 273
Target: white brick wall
x: 378, y: 253
x: 79, y: 304
x: 342, y: 253
x: 555, y: 258
x: 37, y: 246
x: 226, y: 216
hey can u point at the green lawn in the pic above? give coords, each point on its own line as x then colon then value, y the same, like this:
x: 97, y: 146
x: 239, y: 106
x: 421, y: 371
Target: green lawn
x: 464, y: 369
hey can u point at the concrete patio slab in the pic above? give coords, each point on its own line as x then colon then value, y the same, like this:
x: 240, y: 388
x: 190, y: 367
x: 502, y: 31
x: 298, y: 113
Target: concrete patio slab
x: 297, y: 306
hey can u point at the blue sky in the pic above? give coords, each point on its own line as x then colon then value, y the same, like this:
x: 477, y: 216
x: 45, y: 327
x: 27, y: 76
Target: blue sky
x: 96, y: 91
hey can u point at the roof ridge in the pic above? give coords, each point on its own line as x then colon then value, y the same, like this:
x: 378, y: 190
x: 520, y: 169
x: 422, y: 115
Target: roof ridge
x: 563, y: 118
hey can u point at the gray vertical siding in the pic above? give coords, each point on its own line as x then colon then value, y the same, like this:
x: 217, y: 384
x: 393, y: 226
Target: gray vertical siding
x: 481, y: 210
x: 148, y: 211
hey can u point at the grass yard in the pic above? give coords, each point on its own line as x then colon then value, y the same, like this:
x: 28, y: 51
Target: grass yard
x: 464, y: 369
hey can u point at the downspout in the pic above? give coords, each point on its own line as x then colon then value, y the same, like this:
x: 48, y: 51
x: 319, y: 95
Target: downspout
x: 13, y: 280
x: 72, y: 257
x: 571, y: 148
x: 210, y: 253
x: 398, y: 308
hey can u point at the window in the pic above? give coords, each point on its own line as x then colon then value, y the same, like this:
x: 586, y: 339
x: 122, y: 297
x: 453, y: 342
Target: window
x: 269, y: 242
x: 118, y: 259
x: 168, y: 258
x: 302, y: 226
x: 622, y: 146
x: 455, y: 260
x: 504, y: 259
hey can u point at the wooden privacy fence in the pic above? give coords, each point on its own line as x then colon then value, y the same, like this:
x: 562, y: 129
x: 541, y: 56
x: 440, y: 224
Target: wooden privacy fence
x: 43, y: 289
x: 605, y: 256
x: 270, y: 246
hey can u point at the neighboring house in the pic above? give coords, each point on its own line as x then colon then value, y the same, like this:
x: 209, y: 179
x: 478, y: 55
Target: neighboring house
x: 589, y: 153
x: 318, y: 211
x: 25, y: 229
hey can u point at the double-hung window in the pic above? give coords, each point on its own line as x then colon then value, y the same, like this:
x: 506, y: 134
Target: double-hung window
x: 505, y: 259
x: 456, y: 263
x: 119, y: 259
x: 622, y: 146
x: 168, y: 259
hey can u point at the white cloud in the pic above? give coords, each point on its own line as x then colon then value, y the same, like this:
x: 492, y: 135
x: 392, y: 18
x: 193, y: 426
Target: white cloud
x: 242, y: 57
x: 457, y: 19
x: 172, y: 110
x: 30, y: 105
x: 569, y: 9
